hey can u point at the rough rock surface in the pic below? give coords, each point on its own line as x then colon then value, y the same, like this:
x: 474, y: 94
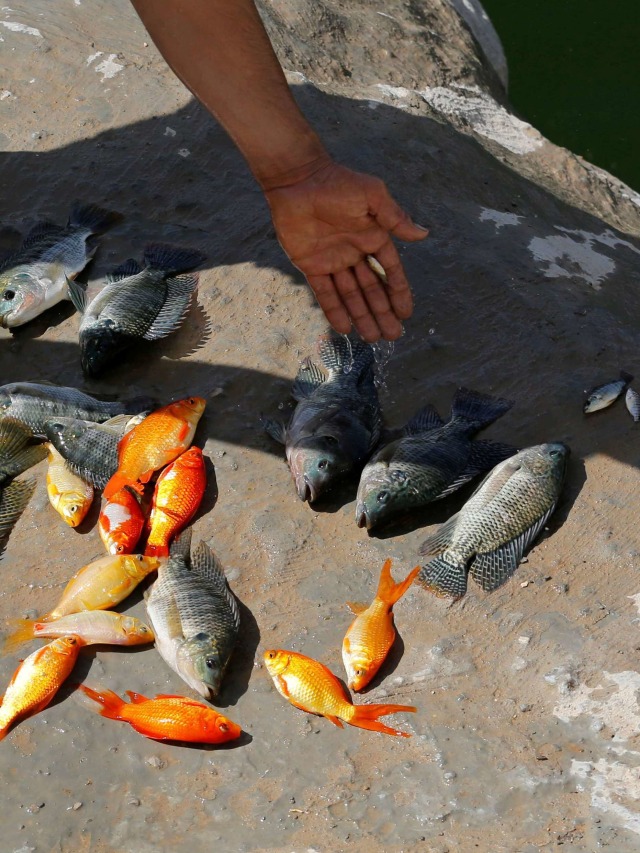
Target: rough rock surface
x: 526, y: 734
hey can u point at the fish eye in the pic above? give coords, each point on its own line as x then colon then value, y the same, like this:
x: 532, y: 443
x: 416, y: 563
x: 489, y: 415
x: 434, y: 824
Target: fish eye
x: 9, y: 294
x: 271, y: 655
x: 382, y: 496
x: 322, y: 464
x: 223, y: 727
x: 211, y: 663
x: 554, y: 453
x: 192, y: 401
x: 360, y: 673
x: 119, y: 549
x: 141, y: 558
x: 73, y: 509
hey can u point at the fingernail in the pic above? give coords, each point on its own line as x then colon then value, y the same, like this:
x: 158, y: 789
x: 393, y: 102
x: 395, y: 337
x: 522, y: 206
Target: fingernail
x: 421, y: 227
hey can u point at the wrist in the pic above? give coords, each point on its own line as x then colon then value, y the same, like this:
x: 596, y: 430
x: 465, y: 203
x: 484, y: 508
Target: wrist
x: 296, y: 166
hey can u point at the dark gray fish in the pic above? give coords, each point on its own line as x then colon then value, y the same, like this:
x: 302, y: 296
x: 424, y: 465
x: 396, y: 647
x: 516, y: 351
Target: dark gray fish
x: 18, y: 449
x: 89, y: 449
x: 632, y: 402
x: 498, y: 524
x: 135, y: 304
x: 35, y: 277
x: 337, y: 422
x: 14, y: 497
x: 34, y: 403
x: 431, y: 459
x: 605, y: 395
x: 194, y: 615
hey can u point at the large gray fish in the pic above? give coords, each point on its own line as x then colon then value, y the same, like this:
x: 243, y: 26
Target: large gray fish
x: 90, y: 449
x: 604, y: 395
x: 35, y: 277
x: 18, y: 449
x: 431, y: 459
x: 337, y: 422
x: 194, y: 615
x: 135, y: 304
x: 34, y: 403
x: 498, y: 524
x: 13, y: 499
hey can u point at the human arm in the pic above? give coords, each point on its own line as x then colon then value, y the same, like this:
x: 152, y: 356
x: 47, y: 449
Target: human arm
x: 327, y: 217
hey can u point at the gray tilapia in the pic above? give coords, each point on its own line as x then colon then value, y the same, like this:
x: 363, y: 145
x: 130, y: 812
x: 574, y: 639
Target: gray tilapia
x: 135, y: 304
x: 35, y: 277
x: 431, y: 459
x: 605, y: 395
x: 337, y: 422
x: 34, y: 403
x: 18, y: 449
x: 632, y: 402
x: 90, y: 449
x: 194, y: 615
x: 498, y: 524
x: 13, y: 499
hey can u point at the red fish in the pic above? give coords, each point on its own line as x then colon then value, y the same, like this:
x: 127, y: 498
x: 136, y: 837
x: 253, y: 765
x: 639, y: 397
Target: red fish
x: 121, y: 522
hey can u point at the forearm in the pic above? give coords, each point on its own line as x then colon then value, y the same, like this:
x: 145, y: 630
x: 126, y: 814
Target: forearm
x: 221, y: 52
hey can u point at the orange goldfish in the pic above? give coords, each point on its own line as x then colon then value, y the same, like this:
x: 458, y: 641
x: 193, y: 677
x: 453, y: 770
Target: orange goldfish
x: 371, y: 634
x: 310, y: 686
x: 121, y: 522
x: 37, y: 680
x: 165, y: 717
x: 159, y: 439
x: 176, y: 498
x: 102, y: 584
x: 69, y: 494
x: 90, y: 626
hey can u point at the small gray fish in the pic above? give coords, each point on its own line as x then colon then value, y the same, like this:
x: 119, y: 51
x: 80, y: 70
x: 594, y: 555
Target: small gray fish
x: 431, y: 459
x: 18, y: 449
x: 14, y: 497
x: 35, y: 277
x: 34, y: 403
x: 135, y: 304
x: 498, y: 524
x: 194, y: 615
x: 605, y: 395
x: 337, y: 422
x: 632, y: 401
x: 89, y: 449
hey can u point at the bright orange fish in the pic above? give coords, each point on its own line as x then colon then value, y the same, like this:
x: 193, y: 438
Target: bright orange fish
x: 310, y: 686
x: 371, y: 634
x: 165, y: 717
x: 37, y: 680
x: 159, y: 439
x: 176, y: 498
x: 121, y: 522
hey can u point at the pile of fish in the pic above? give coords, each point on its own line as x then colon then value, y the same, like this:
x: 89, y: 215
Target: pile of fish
x: 605, y: 395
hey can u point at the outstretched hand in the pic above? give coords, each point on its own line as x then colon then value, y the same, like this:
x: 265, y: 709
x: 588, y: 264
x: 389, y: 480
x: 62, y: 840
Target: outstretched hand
x: 328, y: 223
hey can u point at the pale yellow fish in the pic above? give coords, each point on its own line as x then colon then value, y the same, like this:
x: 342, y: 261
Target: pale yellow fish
x: 91, y: 626
x: 69, y: 494
x: 103, y: 583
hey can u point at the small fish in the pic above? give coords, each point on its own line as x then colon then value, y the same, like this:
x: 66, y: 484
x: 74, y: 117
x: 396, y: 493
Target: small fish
x: 18, y: 449
x: 121, y: 522
x: 632, y: 401
x: 498, y: 524
x: 313, y: 688
x: 34, y: 404
x: 337, y: 422
x: 135, y: 304
x: 14, y: 498
x: 605, y: 395
x: 37, y: 680
x: 69, y: 495
x: 158, y: 440
x: 90, y: 449
x: 372, y: 633
x: 165, y: 717
x: 194, y: 615
x: 431, y: 459
x: 177, y: 496
x: 102, y: 584
x: 91, y: 626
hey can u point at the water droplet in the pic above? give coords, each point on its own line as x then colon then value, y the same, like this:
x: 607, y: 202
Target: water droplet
x: 348, y: 365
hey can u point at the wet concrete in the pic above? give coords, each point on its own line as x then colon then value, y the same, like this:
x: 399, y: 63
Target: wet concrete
x: 526, y: 733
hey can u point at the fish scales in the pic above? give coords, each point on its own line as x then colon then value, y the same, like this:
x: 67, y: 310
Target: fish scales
x: 18, y: 449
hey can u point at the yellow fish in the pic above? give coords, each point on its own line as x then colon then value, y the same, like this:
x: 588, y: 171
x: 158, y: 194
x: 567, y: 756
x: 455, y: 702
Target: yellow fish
x: 37, y: 680
x: 91, y: 626
x: 103, y: 583
x: 69, y: 494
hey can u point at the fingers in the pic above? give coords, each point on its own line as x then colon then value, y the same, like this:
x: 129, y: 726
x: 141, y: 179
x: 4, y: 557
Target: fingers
x: 390, y: 216
x: 398, y: 290
x: 352, y: 295
x: 330, y: 302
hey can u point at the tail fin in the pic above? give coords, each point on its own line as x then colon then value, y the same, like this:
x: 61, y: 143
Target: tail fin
x: 171, y: 259
x: 445, y: 576
x: 388, y: 590
x: 104, y: 702
x: 480, y: 409
x: 366, y: 717
x: 95, y: 219
x: 117, y: 482
x: 23, y: 633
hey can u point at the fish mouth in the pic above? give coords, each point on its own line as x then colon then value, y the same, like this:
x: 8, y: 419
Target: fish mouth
x: 362, y: 517
x: 305, y: 489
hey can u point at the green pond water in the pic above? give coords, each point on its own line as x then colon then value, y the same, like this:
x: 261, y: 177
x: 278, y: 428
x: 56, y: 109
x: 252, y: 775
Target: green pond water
x: 574, y: 73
